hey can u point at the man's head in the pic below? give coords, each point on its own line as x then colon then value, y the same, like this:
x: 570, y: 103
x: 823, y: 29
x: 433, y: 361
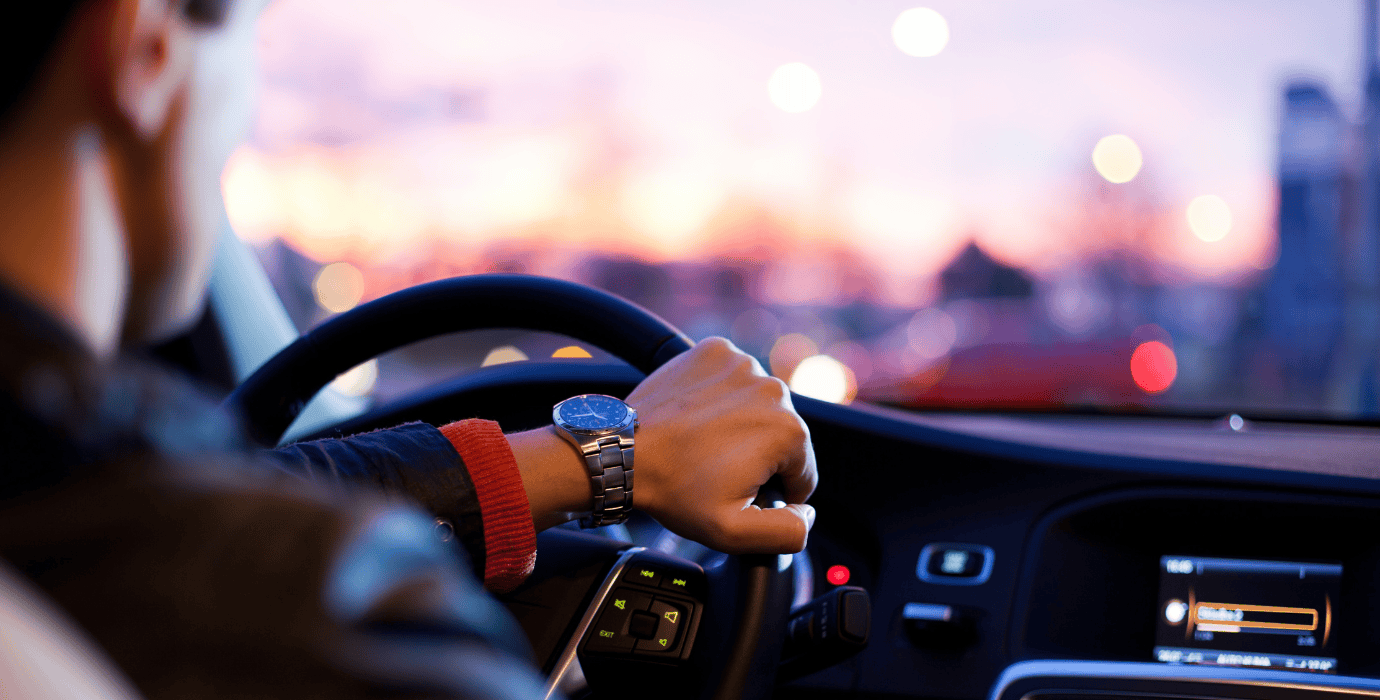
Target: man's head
x: 148, y: 98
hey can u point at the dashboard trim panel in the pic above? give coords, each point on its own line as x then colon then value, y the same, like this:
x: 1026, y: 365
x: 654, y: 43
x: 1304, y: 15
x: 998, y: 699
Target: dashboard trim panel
x: 1145, y: 671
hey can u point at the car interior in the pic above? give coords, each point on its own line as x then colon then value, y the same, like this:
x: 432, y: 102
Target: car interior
x: 1200, y: 546
x: 957, y: 555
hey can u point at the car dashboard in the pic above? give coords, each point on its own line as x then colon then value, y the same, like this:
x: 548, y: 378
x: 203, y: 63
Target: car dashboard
x: 1009, y: 556
x: 1028, y: 555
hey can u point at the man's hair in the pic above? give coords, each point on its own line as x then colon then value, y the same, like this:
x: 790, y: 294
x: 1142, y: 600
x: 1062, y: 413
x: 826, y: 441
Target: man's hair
x: 25, y: 44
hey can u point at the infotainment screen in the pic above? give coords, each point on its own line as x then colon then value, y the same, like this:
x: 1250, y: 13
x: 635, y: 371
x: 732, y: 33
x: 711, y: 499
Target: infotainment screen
x: 1242, y: 612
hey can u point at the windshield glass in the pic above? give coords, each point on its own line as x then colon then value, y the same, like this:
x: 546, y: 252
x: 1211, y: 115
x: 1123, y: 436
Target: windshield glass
x: 1166, y: 206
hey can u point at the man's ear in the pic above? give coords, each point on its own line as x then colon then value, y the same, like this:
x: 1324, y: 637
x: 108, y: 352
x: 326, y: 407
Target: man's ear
x: 147, y: 62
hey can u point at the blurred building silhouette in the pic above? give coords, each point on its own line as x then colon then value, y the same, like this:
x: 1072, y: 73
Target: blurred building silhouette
x: 974, y: 274
x: 1302, y: 314
x: 1353, y: 385
x: 1317, y: 319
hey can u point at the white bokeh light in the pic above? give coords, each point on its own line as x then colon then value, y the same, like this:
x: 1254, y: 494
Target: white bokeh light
x: 1117, y: 158
x: 339, y: 287
x: 794, y: 88
x: 1209, y: 218
x: 821, y: 377
x: 920, y: 32
x: 358, y: 381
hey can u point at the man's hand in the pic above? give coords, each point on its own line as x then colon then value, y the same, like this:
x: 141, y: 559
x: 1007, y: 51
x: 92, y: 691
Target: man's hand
x: 714, y: 429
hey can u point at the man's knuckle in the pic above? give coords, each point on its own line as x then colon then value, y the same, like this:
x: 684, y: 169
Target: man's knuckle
x: 774, y: 388
x: 756, y: 367
x: 716, y: 346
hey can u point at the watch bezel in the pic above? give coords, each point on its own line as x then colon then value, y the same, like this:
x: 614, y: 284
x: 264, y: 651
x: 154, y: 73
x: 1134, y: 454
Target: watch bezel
x: 629, y: 418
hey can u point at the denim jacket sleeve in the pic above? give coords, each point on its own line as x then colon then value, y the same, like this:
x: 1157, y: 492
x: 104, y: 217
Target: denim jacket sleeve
x: 413, y: 460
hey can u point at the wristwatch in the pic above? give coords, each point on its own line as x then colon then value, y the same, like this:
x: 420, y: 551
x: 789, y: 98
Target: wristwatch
x: 601, y: 428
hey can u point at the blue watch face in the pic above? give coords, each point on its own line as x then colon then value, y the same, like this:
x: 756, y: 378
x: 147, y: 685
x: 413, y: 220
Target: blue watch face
x: 593, y: 412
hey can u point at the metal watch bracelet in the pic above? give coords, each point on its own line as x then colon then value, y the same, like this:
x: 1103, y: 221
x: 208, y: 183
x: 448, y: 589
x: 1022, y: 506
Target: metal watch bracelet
x: 610, y: 465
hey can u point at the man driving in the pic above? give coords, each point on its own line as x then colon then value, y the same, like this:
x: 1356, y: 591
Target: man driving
x: 202, y: 567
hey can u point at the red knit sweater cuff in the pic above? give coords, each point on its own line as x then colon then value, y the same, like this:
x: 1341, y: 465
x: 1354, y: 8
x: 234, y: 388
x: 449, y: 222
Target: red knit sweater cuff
x: 510, y: 539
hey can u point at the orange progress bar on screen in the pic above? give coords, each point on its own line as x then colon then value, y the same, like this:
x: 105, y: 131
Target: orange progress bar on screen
x: 1258, y: 624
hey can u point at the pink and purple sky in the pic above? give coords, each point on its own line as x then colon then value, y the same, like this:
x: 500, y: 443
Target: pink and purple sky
x: 634, y: 126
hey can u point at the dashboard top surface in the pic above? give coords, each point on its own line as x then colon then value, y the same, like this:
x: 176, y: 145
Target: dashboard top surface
x: 1128, y: 442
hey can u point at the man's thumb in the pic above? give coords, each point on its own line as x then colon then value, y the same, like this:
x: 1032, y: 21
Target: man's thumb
x: 772, y: 530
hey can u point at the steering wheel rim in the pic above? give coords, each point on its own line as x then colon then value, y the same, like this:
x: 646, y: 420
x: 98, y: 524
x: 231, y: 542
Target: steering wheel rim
x: 271, y: 398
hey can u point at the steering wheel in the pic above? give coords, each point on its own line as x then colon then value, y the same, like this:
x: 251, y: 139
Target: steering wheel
x: 270, y: 399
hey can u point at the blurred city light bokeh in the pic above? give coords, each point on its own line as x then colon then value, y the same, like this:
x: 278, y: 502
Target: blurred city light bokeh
x: 974, y: 205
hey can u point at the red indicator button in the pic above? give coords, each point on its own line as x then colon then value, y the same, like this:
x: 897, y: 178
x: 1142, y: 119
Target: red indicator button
x: 838, y: 574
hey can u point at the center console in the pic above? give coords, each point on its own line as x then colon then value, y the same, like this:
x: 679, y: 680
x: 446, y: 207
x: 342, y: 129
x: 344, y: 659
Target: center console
x: 1198, y: 593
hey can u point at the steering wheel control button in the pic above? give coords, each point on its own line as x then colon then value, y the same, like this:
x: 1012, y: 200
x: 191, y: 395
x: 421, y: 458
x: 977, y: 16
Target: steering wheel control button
x: 611, y: 633
x: 642, y: 625
x: 629, y: 601
x: 669, y: 618
x: 607, y: 636
x: 676, y: 582
x: 650, y: 617
x: 655, y: 570
x: 644, y: 575
x: 955, y: 564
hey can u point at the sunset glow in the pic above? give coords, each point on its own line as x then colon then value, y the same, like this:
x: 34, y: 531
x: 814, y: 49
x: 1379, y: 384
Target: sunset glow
x: 695, y: 126
x: 891, y: 195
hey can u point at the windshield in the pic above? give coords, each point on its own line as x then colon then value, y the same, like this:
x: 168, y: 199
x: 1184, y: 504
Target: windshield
x: 1168, y: 206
